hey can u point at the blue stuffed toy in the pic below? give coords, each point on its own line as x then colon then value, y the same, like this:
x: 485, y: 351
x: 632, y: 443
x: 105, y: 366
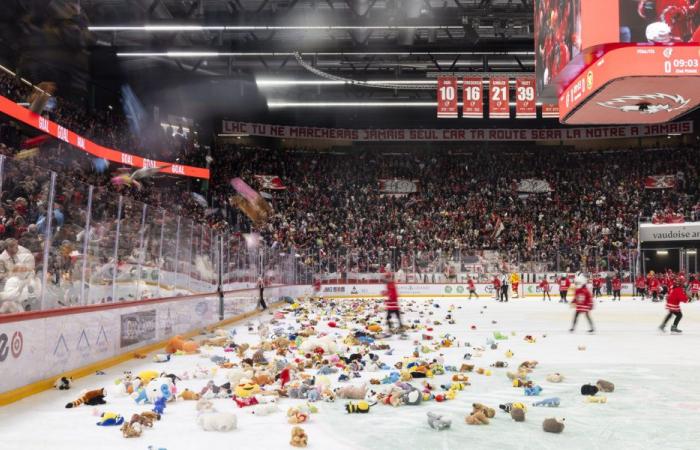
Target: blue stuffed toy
x: 392, y: 378
x: 165, y: 390
x: 533, y: 391
x: 141, y: 397
x: 551, y: 402
x: 159, y: 406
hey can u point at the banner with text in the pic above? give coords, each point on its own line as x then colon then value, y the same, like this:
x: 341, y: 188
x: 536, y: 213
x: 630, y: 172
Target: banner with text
x: 456, y: 134
x: 550, y: 111
x: 525, y: 107
x: 447, y: 97
x: 57, y: 131
x: 473, y: 101
x: 689, y: 231
x: 398, y: 186
x: 499, y: 98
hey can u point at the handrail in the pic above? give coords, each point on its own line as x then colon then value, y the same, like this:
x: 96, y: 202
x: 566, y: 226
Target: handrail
x: 42, y: 314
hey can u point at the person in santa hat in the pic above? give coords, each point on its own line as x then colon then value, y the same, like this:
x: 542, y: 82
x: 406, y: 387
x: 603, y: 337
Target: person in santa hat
x: 673, y: 305
x: 583, y: 302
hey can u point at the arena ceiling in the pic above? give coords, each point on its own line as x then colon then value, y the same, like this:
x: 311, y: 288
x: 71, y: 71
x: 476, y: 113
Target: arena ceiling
x: 270, y: 46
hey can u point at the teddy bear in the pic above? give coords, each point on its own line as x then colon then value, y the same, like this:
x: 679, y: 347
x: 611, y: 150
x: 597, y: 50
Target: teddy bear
x: 204, y: 405
x: 466, y: 367
x: 130, y: 430
x: 144, y: 420
x: 499, y: 364
x: 552, y: 425
x: 295, y: 416
x: 605, y: 386
x: 352, y: 392
x: 589, y: 389
x: 517, y: 414
x: 217, y: 421
x: 264, y: 409
x: 461, y: 378
x: 189, y: 395
x: 63, y: 383
x: 594, y: 399
x: 477, y: 418
x: 299, y: 438
x: 437, y: 422
x: 555, y: 377
x: 488, y: 412
x: 177, y: 343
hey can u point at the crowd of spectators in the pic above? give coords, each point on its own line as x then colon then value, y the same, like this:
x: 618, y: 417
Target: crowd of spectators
x: 467, y: 202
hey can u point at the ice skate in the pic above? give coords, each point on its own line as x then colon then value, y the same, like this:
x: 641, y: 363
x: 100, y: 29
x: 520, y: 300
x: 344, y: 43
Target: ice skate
x: 675, y: 330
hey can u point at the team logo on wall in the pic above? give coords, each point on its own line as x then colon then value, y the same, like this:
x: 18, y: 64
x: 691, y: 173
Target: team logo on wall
x: 448, y: 289
x: 589, y: 80
x: 647, y: 103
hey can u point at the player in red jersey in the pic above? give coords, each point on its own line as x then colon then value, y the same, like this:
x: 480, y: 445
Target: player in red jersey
x: 597, y: 285
x: 616, y: 287
x: 472, y: 288
x: 641, y: 285
x: 544, y: 285
x: 392, y: 301
x: 583, y: 302
x: 694, y: 289
x: 497, y: 286
x: 654, y: 287
x: 673, y: 305
x: 564, y: 284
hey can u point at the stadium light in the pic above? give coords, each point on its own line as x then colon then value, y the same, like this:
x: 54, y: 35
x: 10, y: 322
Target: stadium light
x: 209, y: 54
x: 180, y: 28
x: 285, y: 104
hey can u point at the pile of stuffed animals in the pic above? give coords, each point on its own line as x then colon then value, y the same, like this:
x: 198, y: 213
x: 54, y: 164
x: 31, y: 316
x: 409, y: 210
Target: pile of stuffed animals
x: 300, y: 362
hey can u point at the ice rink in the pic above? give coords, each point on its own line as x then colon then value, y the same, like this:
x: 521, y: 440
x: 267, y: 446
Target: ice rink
x: 656, y: 403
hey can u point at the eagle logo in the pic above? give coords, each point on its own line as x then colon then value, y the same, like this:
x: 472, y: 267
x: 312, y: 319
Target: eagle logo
x: 647, y: 103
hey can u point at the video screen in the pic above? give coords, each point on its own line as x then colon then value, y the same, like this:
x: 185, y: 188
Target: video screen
x: 557, y: 37
x: 659, y: 21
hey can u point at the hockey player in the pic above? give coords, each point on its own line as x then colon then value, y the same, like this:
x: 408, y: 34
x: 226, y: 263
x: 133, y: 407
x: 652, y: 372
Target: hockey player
x: 616, y: 287
x: 544, y: 285
x: 392, y: 302
x: 641, y: 285
x: 583, y: 302
x: 472, y: 288
x: 497, y: 286
x: 673, y: 305
x: 564, y: 284
x: 597, y: 284
x: 515, y: 283
x: 654, y: 287
x: 694, y: 286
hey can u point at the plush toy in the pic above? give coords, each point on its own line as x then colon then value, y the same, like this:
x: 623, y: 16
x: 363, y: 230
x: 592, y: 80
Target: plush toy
x: 551, y: 402
x: 352, y: 392
x: 235, y: 376
x: 466, y: 367
x: 361, y: 407
x: 436, y: 421
x: 110, y: 419
x: 299, y: 438
x: 517, y: 414
x: 499, y: 364
x: 594, y: 399
x: 189, y: 395
x: 159, y: 406
x: 63, y: 383
x: 477, y: 418
x: 140, y: 396
x: 555, y: 377
x: 217, y: 421
x: 552, y: 425
x: 529, y: 339
x: 295, y: 416
x: 533, y: 391
x: 161, y: 357
x: 146, y: 376
x: 488, y: 412
x: 211, y: 390
x: 264, y: 409
x: 92, y: 398
x: 160, y: 387
x: 130, y: 430
x: 204, y: 405
x: 589, y: 389
x: 412, y: 397
x: 605, y: 386
x: 461, y: 378
x: 145, y: 419
x: 528, y: 365
x: 509, y: 354
x: 499, y: 336
x: 520, y: 383
x: 178, y: 343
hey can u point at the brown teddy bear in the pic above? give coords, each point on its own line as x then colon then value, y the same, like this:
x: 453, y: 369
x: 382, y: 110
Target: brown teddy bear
x: 552, y: 425
x: 142, y: 419
x: 130, y: 430
x: 488, y: 412
x: 189, y: 395
x: 299, y: 438
x: 466, y: 368
x: 477, y: 418
x: 605, y: 386
x: 517, y: 414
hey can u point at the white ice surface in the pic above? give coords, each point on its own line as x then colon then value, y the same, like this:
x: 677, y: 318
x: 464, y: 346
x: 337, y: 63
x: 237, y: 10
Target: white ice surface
x: 656, y: 404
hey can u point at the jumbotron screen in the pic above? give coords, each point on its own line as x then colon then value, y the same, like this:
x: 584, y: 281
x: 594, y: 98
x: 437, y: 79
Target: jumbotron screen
x: 660, y: 21
x: 557, y: 37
